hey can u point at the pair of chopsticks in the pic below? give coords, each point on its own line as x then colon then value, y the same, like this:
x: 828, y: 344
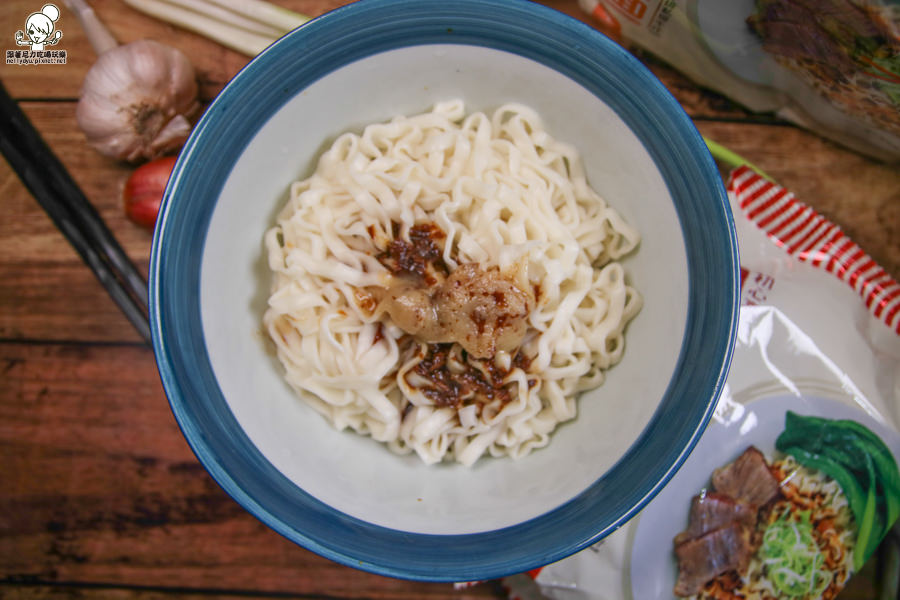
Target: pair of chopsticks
x: 66, y: 205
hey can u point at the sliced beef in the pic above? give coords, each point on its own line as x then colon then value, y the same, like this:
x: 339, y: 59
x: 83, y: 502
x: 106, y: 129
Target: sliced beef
x: 848, y: 23
x: 703, y: 558
x: 843, y: 20
x: 747, y: 479
x: 822, y: 35
x: 805, y: 43
x: 712, y: 510
x: 722, y: 523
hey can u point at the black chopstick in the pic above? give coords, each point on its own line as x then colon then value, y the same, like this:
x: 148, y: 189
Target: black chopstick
x: 66, y: 205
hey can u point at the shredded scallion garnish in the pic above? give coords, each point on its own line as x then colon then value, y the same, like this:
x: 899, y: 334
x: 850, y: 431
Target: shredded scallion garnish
x: 793, y: 558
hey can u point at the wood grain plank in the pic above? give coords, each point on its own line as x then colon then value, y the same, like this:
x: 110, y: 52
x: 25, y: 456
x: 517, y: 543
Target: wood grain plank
x: 100, y: 487
x: 58, y: 301
x: 46, y: 292
x: 102, y: 592
x: 102, y: 181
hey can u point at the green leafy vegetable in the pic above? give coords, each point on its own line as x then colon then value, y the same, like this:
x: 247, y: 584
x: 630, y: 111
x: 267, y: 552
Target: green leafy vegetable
x: 855, y: 493
x: 859, y: 461
x: 865, y: 537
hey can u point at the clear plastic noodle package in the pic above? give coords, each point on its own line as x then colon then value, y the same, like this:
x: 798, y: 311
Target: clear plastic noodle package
x: 831, y: 66
x: 795, y: 482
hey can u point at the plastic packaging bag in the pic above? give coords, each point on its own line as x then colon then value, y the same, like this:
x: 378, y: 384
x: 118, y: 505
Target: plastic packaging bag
x: 818, y: 349
x: 832, y: 66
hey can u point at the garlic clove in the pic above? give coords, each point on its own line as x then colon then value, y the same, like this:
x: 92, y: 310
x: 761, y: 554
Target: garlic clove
x: 172, y: 136
x: 137, y: 101
x: 169, y: 73
x: 100, y: 115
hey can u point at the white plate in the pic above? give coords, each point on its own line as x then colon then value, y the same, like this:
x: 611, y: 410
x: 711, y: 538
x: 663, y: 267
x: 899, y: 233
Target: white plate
x: 653, y: 566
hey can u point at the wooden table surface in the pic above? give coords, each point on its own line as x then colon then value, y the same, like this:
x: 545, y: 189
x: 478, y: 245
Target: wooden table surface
x: 100, y: 496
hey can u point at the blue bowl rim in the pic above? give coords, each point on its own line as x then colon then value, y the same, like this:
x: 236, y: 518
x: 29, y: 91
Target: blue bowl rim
x: 535, y: 32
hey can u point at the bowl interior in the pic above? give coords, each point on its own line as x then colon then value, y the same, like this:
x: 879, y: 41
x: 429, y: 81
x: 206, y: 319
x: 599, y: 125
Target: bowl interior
x: 337, y: 468
x: 346, y: 496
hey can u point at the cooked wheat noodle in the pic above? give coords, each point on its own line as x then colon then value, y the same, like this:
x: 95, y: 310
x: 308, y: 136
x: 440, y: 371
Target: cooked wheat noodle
x: 507, y: 196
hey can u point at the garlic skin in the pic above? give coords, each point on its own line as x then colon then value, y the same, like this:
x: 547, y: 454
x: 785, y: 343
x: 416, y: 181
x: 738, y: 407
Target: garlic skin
x: 137, y: 101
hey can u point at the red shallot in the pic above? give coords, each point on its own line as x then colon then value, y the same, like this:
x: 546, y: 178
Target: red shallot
x: 144, y: 190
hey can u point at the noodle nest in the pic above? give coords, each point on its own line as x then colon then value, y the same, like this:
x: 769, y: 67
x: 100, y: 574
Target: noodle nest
x: 505, y: 196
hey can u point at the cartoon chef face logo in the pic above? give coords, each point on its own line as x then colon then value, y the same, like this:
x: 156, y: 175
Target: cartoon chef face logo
x: 39, y: 29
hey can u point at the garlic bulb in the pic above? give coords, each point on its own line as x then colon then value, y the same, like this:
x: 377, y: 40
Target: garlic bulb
x: 137, y: 101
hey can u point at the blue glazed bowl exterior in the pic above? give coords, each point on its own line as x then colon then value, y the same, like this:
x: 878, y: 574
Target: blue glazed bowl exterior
x: 361, y: 30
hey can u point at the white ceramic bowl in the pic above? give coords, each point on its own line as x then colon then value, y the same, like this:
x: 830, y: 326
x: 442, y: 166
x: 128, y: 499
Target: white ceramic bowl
x: 345, y: 496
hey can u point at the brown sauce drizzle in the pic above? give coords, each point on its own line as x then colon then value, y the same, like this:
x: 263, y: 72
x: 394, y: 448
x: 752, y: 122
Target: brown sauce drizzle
x: 483, y: 310
x: 365, y: 300
x: 449, y: 388
x: 411, y: 259
x: 438, y: 307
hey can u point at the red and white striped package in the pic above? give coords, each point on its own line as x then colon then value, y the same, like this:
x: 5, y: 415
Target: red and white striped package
x: 819, y: 335
x: 810, y: 238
